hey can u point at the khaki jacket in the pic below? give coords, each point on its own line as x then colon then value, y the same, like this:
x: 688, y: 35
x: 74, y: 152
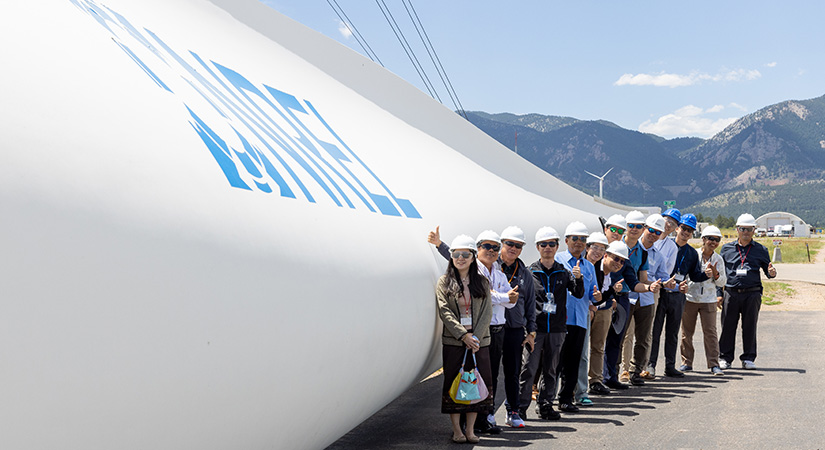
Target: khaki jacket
x: 447, y: 296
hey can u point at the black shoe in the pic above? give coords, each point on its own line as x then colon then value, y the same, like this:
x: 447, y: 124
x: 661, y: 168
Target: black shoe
x: 546, y: 412
x: 598, y: 388
x: 486, y: 427
x: 523, y: 414
x: 616, y: 384
x: 568, y: 407
x: 637, y: 380
x: 672, y: 372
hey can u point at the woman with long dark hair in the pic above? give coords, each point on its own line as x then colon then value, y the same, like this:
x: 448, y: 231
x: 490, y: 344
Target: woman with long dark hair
x: 463, y: 300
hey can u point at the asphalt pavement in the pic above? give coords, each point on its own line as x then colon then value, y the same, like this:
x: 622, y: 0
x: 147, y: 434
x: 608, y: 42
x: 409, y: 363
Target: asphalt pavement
x: 780, y: 405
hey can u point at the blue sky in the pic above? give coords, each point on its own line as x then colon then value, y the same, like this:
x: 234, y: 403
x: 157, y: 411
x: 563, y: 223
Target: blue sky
x: 685, y: 69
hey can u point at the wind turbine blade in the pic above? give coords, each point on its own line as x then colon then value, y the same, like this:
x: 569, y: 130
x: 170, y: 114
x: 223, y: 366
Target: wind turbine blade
x: 593, y: 175
x: 605, y: 174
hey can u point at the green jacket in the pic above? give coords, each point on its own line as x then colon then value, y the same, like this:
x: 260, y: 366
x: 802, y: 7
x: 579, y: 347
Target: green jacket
x: 447, y: 296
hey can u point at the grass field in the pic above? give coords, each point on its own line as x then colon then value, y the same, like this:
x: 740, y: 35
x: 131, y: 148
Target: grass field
x: 774, y: 288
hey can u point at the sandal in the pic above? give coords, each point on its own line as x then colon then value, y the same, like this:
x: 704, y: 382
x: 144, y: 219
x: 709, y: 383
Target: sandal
x: 460, y: 439
x: 473, y: 439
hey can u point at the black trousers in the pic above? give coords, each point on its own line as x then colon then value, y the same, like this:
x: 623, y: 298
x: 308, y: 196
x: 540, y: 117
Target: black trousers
x: 668, y: 316
x: 746, y: 304
x: 496, y: 347
x: 613, y: 343
x: 511, y: 360
x: 571, y: 354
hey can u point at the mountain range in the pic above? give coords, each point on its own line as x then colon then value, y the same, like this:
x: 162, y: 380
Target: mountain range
x: 772, y: 159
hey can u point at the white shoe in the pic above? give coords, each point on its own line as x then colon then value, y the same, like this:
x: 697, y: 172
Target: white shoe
x: 724, y: 365
x: 748, y: 365
x: 491, y: 419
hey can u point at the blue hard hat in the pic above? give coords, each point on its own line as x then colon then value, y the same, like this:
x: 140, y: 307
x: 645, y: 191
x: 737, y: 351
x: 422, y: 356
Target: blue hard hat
x: 674, y: 214
x: 689, y: 220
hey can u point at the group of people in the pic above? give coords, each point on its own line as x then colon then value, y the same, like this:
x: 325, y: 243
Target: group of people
x: 589, y: 319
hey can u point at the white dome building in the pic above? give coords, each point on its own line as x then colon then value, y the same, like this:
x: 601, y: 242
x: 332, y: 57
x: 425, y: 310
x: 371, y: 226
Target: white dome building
x: 788, y: 224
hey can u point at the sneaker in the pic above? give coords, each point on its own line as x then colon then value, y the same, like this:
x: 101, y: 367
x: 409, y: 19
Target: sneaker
x: 491, y: 419
x: 637, y: 380
x: 568, y: 407
x: 716, y: 370
x: 724, y: 365
x: 685, y: 368
x: 585, y: 401
x: 546, y: 412
x: 614, y: 384
x: 748, y: 365
x: 624, y: 377
x: 484, y: 426
x: 514, y: 420
x: 598, y: 388
x: 647, y: 375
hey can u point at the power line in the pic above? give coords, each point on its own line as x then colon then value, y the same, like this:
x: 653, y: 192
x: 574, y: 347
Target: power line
x: 438, y: 66
x: 354, y: 31
x: 408, y: 49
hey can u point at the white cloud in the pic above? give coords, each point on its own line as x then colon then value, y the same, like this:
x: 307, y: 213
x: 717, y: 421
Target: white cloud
x: 672, y: 80
x: 344, y: 30
x: 771, y: 64
x: 688, y: 120
x: 738, y: 106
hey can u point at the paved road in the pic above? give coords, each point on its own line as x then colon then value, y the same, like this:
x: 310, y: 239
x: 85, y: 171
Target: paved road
x: 779, y: 405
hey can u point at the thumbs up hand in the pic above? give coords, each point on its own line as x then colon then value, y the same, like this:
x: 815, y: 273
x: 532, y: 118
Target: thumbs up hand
x: 683, y: 287
x: 709, y: 271
x: 577, y: 272
x: 771, y: 270
x: 597, y: 295
x: 671, y: 283
x: 618, y: 286
x: 513, y: 295
x: 656, y: 285
x: 434, y: 237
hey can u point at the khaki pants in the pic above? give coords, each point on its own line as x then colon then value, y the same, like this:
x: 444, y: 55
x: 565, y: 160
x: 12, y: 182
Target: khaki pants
x: 627, y: 344
x: 707, y: 314
x: 598, y: 336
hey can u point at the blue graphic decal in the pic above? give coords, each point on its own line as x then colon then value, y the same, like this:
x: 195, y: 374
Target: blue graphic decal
x: 262, y: 138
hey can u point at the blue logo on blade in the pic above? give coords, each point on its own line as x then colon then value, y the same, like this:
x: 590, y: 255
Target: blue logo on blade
x: 262, y: 138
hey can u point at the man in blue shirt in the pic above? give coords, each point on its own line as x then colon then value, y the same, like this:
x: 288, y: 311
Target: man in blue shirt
x: 743, y: 292
x: 578, y: 312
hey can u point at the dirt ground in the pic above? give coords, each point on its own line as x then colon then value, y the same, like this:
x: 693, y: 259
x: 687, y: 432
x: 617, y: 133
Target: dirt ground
x: 806, y: 297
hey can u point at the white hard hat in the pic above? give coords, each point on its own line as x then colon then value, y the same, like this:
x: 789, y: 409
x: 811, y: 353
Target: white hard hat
x: 711, y: 230
x: 617, y: 220
x: 597, y: 238
x: 513, y: 233
x: 635, y: 217
x: 488, y: 235
x: 618, y: 248
x: 546, y: 234
x: 463, y: 241
x: 576, y: 229
x: 746, y: 220
x: 656, y: 221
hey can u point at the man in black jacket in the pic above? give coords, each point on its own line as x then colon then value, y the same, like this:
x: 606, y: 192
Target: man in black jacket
x: 552, y: 283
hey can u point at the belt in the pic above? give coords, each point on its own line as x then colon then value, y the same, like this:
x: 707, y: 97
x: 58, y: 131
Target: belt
x: 743, y: 290
x: 496, y: 328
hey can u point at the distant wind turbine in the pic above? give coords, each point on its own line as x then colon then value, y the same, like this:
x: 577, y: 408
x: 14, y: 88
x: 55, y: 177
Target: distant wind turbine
x: 601, y: 181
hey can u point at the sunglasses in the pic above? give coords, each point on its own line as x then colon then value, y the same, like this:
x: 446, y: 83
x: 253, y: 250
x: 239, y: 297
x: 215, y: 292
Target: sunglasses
x: 686, y: 228
x: 492, y: 247
x: 713, y: 238
x: 637, y: 226
x: 617, y: 230
x: 577, y: 238
x: 513, y: 244
x: 654, y: 231
x: 461, y: 254
x: 746, y: 229
x: 550, y: 244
